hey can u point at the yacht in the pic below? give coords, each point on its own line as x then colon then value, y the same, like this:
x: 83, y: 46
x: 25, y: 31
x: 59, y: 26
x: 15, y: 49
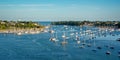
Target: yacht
x: 108, y: 52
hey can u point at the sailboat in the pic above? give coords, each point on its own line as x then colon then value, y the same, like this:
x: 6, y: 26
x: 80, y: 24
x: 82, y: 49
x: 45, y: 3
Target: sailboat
x: 64, y: 42
x: 77, y: 38
x: 89, y: 45
x: 99, y: 47
x: 94, y: 46
x: 83, y: 35
x: 51, y: 30
x: 111, y: 47
x: 89, y: 40
x: 108, y: 52
x: 118, y: 39
x: 53, y: 37
x: 119, y: 53
x: 84, y: 40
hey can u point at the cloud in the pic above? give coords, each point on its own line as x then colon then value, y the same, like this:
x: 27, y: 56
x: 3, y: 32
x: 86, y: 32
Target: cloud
x: 26, y: 5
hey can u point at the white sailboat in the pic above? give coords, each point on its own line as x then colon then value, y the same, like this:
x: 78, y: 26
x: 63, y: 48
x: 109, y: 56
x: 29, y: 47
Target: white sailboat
x: 108, y: 52
x: 64, y: 42
x: 53, y: 36
x: 94, y: 46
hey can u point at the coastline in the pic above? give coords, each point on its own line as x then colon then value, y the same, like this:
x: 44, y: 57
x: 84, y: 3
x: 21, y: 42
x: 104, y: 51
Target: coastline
x: 20, y: 31
x: 20, y: 27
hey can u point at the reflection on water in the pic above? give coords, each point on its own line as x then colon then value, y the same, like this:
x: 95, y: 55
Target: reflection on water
x: 39, y: 47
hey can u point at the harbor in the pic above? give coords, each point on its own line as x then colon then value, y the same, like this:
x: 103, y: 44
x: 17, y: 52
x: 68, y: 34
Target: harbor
x: 59, y: 29
x: 62, y: 42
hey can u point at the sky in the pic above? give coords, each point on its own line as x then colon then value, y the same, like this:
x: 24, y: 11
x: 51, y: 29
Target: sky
x: 60, y: 10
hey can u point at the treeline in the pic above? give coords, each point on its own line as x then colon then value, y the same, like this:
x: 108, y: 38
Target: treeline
x: 89, y: 23
x: 18, y: 24
x: 73, y: 23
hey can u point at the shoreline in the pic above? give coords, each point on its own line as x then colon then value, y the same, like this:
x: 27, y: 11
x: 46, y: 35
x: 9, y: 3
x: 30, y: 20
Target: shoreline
x: 20, y: 27
x: 23, y: 31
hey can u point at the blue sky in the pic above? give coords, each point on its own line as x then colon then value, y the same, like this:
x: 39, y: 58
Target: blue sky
x: 54, y: 10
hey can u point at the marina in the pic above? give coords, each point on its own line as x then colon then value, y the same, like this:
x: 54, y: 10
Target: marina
x: 59, y: 29
x: 62, y: 42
